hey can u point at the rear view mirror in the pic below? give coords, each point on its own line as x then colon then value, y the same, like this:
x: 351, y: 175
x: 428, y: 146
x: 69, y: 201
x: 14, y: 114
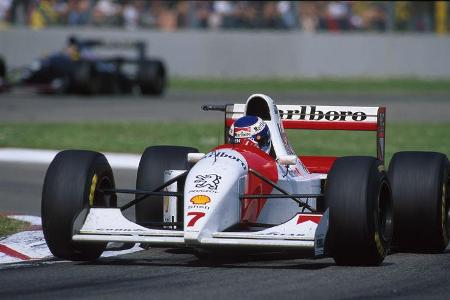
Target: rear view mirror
x: 287, y: 160
x: 194, y: 157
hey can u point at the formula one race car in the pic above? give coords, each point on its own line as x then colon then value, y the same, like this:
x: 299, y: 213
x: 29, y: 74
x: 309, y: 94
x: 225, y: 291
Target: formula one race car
x: 79, y: 69
x: 239, y: 197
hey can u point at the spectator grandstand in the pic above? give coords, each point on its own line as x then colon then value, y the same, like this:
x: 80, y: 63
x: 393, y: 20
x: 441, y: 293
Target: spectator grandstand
x: 309, y: 16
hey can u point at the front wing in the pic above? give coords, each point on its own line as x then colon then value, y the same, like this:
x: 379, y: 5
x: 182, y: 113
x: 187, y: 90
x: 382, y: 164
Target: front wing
x: 303, y: 231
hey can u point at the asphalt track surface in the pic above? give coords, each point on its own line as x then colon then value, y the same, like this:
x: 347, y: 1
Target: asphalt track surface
x: 172, y: 274
x: 20, y: 106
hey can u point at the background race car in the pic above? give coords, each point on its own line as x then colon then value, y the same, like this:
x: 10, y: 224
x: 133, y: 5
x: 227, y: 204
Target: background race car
x: 82, y: 68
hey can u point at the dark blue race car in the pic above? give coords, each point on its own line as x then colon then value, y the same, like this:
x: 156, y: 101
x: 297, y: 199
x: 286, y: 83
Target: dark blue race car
x: 79, y: 69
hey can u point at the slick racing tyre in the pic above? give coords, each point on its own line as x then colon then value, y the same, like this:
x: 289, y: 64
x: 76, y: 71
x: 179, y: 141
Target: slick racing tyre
x: 358, y: 196
x: 85, y: 80
x: 2, y: 68
x: 420, y: 184
x: 154, y: 162
x: 73, y: 183
x: 2, y: 74
x: 152, y: 78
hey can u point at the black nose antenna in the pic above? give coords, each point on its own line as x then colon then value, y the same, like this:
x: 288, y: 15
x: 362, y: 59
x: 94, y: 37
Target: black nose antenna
x: 214, y: 107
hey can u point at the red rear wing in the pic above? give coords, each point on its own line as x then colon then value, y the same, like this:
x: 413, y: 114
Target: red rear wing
x: 317, y: 117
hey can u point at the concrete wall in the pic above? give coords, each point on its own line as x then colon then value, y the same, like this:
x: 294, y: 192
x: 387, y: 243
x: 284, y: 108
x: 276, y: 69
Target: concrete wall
x: 259, y: 53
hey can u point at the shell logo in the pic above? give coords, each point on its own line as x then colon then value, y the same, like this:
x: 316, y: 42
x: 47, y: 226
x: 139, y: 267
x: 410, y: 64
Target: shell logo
x: 200, y: 199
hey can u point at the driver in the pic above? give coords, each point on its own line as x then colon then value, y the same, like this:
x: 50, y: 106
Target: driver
x: 250, y: 130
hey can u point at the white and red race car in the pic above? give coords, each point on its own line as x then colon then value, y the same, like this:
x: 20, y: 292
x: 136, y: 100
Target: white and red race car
x: 239, y: 197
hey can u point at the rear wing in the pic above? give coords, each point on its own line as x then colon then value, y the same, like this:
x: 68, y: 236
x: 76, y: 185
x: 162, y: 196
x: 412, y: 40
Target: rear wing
x: 318, y: 117
x: 139, y: 45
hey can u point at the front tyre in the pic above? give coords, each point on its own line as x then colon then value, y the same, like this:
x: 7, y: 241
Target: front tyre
x: 2, y: 68
x: 154, y: 161
x: 72, y: 185
x: 420, y: 183
x: 358, y: 196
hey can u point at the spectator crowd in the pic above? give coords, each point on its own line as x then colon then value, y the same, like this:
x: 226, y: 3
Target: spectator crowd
x: 309, y: 16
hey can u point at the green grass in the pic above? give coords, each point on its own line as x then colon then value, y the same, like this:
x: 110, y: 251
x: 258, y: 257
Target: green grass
x: 114, y: 137
x: 135, y: 137
x: 9, y: 226
x: 323, y: 84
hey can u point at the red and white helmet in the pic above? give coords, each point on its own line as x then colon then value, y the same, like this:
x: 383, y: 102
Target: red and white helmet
x: 251, y: 130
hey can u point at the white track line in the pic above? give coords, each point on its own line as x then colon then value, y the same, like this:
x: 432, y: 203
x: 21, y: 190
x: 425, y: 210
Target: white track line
x: 36, y: 156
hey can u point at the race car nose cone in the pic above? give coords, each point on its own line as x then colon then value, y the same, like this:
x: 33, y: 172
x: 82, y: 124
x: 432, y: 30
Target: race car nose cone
x: 211, y: 194
x: 192, y: 238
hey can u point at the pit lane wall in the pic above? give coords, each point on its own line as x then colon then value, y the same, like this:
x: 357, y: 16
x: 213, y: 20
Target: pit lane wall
x: 232, y: 54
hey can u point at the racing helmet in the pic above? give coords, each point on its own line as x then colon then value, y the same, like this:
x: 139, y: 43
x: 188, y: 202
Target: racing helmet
x: 250, y: 130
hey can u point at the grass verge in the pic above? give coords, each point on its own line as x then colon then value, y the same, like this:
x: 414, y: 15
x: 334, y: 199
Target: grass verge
x: 135, y: 137
x: 323, y: 84
x: 10, y: 226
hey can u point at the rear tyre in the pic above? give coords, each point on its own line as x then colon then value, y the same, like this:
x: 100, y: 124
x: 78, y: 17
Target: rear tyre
x: 154, y: 161
x: 72, y: 184
x: 152, y: 78
x: 85, y: 80
x: 420, y: 184
x: 358, y: 196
